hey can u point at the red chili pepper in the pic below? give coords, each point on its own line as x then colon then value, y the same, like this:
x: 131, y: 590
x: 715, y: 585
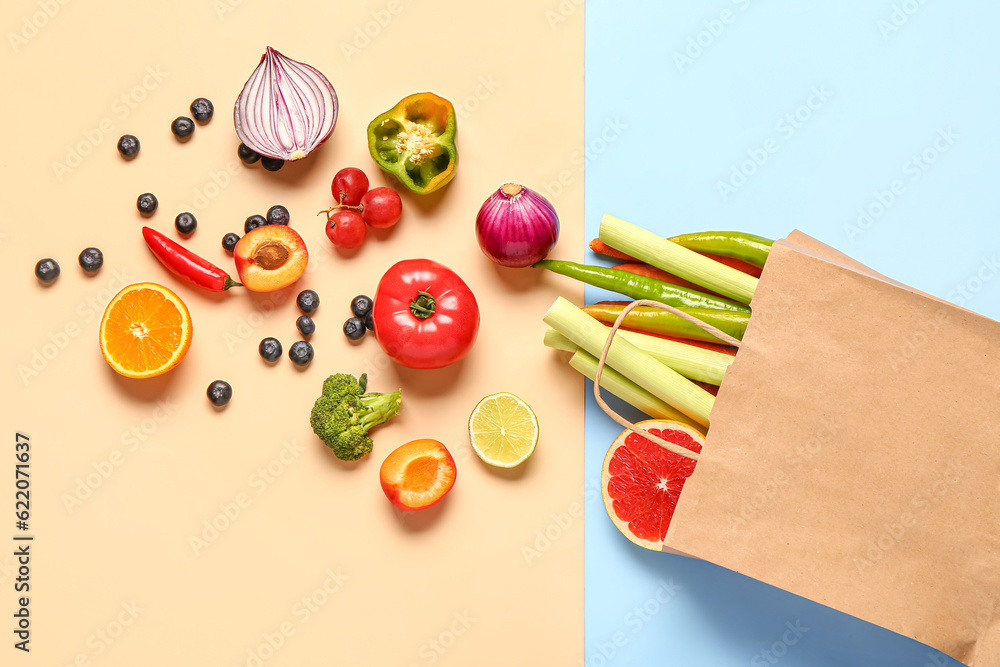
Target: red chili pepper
x: 185, y: 264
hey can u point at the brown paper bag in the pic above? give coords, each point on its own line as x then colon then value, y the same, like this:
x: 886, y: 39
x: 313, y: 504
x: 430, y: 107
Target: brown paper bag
x: 854, y: 453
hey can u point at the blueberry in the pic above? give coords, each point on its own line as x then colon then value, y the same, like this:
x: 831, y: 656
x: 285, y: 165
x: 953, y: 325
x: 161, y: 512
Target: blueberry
x: 270, y: 349
x: 354, y: 328
x: 229, y: 241
x: 253, y: 222
x: 147, y: 203
x: 271, y: 164
x: 278, y: 215
x: 202, y: 110
x: 247, y: 154
x: 91, y: 259
x: 370, y: 322
x: 185, y: 223
x: 47, y: 270
x: 219, y: 393
x: 307, y: 301
x: 361, y: 305
x: 301, y: 353
x: 305, y: 325
x: 182, y: 127
x: 128, y: 146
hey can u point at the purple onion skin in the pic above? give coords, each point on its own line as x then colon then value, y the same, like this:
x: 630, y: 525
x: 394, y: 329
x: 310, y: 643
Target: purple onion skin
x: 518, y: 229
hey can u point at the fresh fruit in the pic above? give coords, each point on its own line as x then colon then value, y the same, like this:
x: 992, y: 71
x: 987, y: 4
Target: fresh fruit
x: 187, y: 265
x: 425, y: 314
x: 349, y: 185
x: 305, y: 325
x: 370, y: 322
x: 185, y: 223
x: 345, y: 228
x: 270, y: 349
x: 343, y: 414
x: 270, y: 257
x: 278, y: 215
x: 417, y: 475
x: 253, y: 222
x: 301, y: 353
x: 145, y: 331
x: 307, y: 301
x: 381, y: 207
x: 247, y: 154
x: 128, y: 146
x: 47, y: 270
x: 219, y: 393
x: 182, y: 127
x: 91, y: 260
x: 354, y: 328
x: 147, y: 203
x: 503, y: 430
x: 361, y: 305
x: 202, y: 110
x: 271, y: 164
x: 229, y: 241
x: 642, y: 480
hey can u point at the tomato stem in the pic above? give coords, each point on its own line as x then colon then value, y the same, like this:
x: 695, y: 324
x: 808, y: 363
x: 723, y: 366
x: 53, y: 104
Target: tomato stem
x: 422, y: 306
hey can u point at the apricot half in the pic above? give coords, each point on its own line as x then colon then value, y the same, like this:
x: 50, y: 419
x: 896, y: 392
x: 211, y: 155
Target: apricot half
x: 270, y: 257
x: 417, y: 475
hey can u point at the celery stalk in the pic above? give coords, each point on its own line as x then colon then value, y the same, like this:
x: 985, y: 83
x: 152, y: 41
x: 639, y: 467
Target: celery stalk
x: 678, y: 260
x: 690, y: 361
x: 628, y: 391
x: 650, y: 374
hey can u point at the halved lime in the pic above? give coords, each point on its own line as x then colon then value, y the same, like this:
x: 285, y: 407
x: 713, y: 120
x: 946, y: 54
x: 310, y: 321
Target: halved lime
x: 503, y: 430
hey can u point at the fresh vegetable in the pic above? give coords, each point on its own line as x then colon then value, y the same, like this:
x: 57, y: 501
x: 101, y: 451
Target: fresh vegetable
x: 734, y: 263
x: 47, y: 270
x: 247, y: 154
x: 677, y: 259
x: 503, y: 430
x: 253, y: 222
x: 219, y: 393
x: 301, y: 353
x: 145, y: 331
x: 345, y: 228
x: 598, y: 246
x: 639, y: 287
x: 286, y: 109
x: 349, y: 185
x: 271, y: 163
x: 270, y: 349
x: 417, y: 475
x: 229, y: 241
x: 641, y: 480
x: 344, y: 413
x: 182, y: 127
x: 354, y: 328
x: 128, y: 146
x: 185, y: 264
x: 270, y: 257
x: 307, y: 300
x: 185, y: 223
x: 147, y: 203
x: 305, y: 325
x: 415, y: 142
x: 425, y: 315
x: 516, y: 226
x: 656, y: 321
x: 641, y: 269
x: 750, y: 248
x: 361, y: 305
x: 278, y: 215
x: 381, y: 207
x: 91, y: 260
x: 202, y: 109
x: 650, y: 374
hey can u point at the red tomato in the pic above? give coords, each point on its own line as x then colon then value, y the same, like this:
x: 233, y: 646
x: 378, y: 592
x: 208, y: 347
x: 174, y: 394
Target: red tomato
x: 425, y: 315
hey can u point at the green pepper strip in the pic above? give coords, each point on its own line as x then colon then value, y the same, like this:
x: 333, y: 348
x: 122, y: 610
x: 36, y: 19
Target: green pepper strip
x: 656, y: 321
x: 640, y: 287
x: 750, y: 248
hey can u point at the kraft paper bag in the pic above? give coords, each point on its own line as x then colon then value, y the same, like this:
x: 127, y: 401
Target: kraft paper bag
x: 853, y: 456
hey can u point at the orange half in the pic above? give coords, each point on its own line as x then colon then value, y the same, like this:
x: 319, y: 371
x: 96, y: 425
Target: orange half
x: 145, y: 331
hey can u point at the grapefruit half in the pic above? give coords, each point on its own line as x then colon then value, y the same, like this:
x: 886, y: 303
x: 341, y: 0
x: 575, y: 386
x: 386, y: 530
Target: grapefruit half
x: 641, y: 480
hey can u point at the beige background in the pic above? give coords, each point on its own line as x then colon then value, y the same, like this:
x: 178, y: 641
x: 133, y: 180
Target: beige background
x: 127, y: 474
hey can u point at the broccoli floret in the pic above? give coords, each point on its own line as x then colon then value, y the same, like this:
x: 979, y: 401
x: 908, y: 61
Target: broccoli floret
x: 342, y: 416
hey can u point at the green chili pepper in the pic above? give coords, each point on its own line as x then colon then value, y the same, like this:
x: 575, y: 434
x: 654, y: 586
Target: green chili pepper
x: 415, y: 142
x: 640, y: 287
x: 750, y: 248
x: 657, y: 321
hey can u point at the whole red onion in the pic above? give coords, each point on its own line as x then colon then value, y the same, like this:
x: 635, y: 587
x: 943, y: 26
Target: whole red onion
x: 516, y: 226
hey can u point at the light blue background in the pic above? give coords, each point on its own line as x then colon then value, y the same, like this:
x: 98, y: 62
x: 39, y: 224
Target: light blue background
x: 661, y: 136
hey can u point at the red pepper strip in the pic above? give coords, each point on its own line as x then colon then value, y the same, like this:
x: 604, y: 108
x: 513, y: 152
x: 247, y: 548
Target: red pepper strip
x: 660, y: 274
x: 737, y: 264
x: 710, y: 388
x: 185, y: 264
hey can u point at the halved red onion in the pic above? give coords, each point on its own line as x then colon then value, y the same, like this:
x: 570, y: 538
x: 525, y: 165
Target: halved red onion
x: 516, y: 226
x: 286, y: 108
